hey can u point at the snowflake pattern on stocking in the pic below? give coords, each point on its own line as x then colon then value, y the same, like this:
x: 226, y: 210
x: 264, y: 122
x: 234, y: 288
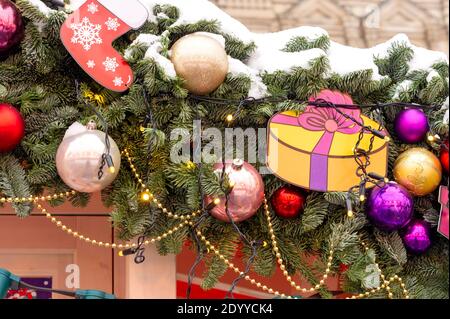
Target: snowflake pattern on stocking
x: 86, y: 33
x: 90, y: 64
x: 110, y: 64
x: 112, y: 24
x: 92, y: 8
x: 118, y: 81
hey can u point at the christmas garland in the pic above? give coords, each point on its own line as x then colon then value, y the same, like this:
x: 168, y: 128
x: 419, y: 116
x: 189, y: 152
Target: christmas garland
x: 364, y: 114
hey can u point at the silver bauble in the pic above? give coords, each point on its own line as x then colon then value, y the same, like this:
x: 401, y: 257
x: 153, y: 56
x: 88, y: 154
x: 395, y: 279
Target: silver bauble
x: 79, y: 158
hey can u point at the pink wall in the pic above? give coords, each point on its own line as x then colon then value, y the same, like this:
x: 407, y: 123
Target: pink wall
x: 34, y: 246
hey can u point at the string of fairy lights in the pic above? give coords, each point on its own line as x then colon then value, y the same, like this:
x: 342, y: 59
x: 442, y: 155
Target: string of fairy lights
x: 188, y: 220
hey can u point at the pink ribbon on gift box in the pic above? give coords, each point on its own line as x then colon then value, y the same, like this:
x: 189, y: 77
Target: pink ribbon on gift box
x: 330, y: 121
x: 443, y: 220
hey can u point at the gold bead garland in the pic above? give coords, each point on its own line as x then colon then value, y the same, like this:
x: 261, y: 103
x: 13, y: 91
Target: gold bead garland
x: 230, y: 265
x: 385, y: 285
x: 147, y: 196
x: 280, y: 261
x: 187, y: 220
x: 222, y: 257
x: 34, y: 199
x: 79, y: 236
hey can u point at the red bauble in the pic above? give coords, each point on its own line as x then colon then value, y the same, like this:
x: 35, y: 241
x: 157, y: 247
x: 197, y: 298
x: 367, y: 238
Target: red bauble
x: 11, y: 25
x: 12, y: 127
x: 444, y: 156
x: 288, y: 201
x: 343, y: 268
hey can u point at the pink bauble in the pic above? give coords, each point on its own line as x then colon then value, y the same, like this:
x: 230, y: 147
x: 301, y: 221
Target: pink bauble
x: 246, y: 196
x: 11, y: 26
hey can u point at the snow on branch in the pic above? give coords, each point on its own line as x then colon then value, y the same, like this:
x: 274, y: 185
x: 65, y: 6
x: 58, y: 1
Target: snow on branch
x: 42, y: 7
x: 270, y: 54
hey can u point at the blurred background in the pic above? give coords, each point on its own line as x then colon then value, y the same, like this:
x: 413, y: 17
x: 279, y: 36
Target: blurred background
x: 359, y: 23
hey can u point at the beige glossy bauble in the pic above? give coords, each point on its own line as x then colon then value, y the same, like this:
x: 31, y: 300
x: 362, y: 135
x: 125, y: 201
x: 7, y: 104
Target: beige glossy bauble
x: 79, y: 158
x: 418, y: 170
x: 201, y: 61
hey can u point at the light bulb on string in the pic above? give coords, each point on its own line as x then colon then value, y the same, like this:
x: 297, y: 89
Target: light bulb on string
x: 433, y: 139
x: 213, y: 204
x: 110, y: 163
x: 146, y: 196
x: 362, y: 190
x: 348, y: 202
x: 190, y: 165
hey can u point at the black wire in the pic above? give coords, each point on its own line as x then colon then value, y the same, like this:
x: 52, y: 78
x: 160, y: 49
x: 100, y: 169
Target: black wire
x: 251, y: 100
x: 244, y: 273
x: 200, y: 254
x: 139, y: 258
x: 194, y: 266
x: 149, y: 118
x: 104, y: 124
x: 230, y: 217
x: 317, y: 103
x: 205, y: 214
x: 227, y: 193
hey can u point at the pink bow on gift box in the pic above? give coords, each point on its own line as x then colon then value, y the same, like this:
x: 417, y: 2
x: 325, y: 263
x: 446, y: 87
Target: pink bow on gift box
x: 330, y: 121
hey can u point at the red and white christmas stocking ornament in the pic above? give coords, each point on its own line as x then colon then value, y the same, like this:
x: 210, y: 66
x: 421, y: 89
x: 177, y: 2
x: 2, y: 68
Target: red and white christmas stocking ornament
x: 89, y: 32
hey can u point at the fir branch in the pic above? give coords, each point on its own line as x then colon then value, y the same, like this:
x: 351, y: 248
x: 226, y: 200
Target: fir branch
x: 392, y: 245
x: 300, y: 43
x: 13, y: 183
x: 315, y: 212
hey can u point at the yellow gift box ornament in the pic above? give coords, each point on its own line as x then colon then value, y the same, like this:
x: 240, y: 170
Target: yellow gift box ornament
x: 314, y: 149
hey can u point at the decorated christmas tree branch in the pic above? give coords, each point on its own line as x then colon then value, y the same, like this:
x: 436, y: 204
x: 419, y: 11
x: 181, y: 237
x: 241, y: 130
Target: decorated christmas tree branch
x: 256, y: 80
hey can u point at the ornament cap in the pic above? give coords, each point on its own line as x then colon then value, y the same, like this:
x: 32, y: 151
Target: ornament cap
x: 91, y: 125
x: 238, y: 163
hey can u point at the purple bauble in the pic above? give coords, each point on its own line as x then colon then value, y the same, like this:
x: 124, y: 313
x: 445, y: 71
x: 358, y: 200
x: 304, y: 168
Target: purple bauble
x: 416, y: 237
x: 390, y: 207
x: 11, y: 25
x: 411, y: 125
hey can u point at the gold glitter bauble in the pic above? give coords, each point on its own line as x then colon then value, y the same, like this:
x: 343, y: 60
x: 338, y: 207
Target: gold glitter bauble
x: 201, y: 61
x: 418, y: 170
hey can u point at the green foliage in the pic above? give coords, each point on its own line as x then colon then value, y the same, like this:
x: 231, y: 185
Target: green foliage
x: 297, y: 44
x: 13, y: 183
x: 395, y: 65
x: 39, y: 79
x: 393, y: 246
